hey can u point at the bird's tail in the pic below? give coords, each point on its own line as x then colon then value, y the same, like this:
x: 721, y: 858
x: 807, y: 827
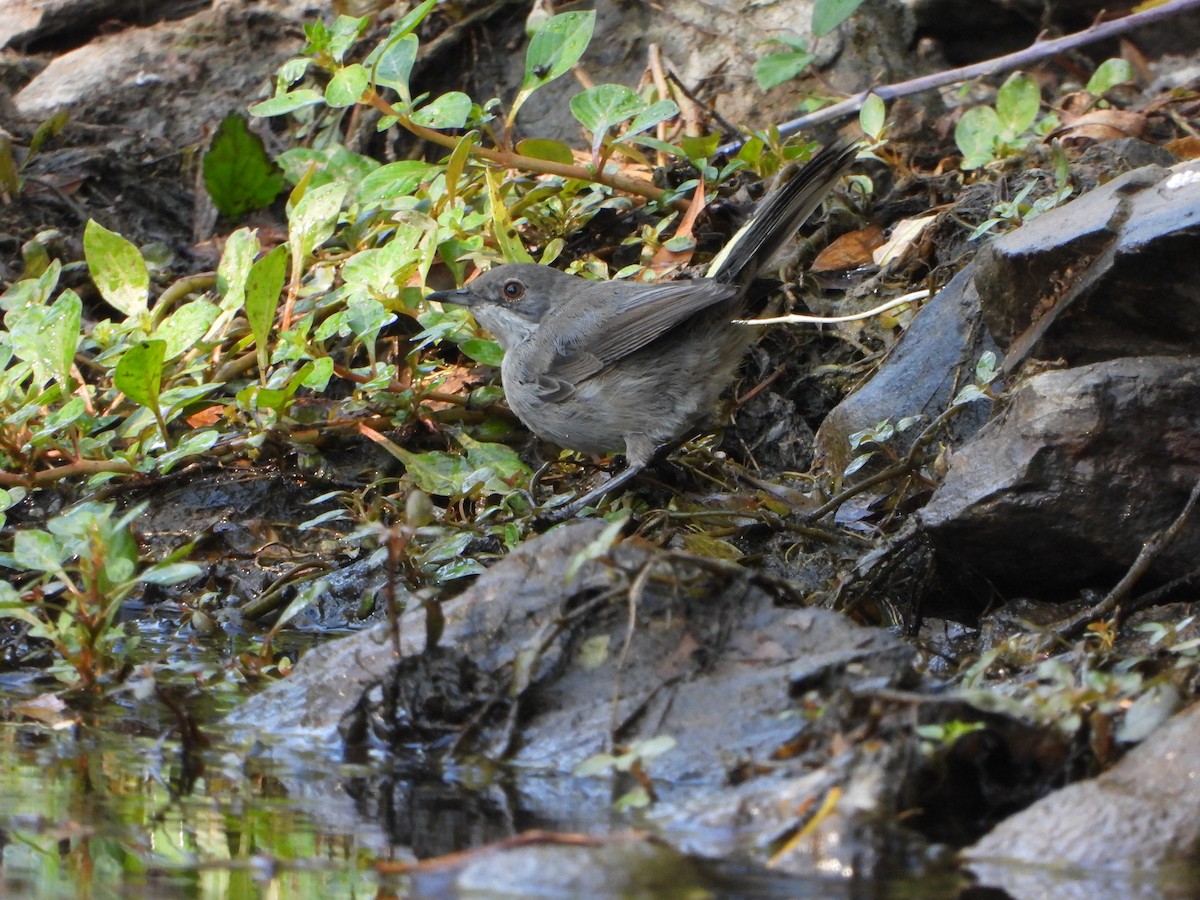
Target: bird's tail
x: 797, y: 192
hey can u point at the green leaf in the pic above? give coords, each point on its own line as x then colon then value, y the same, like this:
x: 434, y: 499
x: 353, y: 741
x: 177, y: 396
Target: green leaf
x: 38, y: 551
x: 1108, y: 75
x: 601, y: 107
x: 437, y: 473
x: 392, y: 67
x: 829, y: 14
x: 397, y: 179
x: 185, y: 327
x: 383, y: 269
x: 239, y: 175
x: 313, y: 219
x: 447, y: 111
x: 460, y: 568
x: 482, y: 350
x: 366, y: 316
x: 117, y: 269
x: 1017, y: 105
x: 987, y: 369
x: 651, y: 116
x: 502, y: 227
x: 414, y: 17
x: 557, y: 46
x: 702, y: 147
x: 976, y: 135
x: 969, y: 394
x: 542, y: 148
x: 774, y: 69
x: 315, y: 373
x: 554, y: 48
x: 507, y: 469
x: 47, y: 336
x: 872, y: 116
x: 139, y: 372
x: 287, y: 102
x: 52, y: 127
x: 346, y: 86
x: 194, y: 443
x: 170, y: 573
x: 344, y: 33
x: 240, y: 249
x: 263, y: 286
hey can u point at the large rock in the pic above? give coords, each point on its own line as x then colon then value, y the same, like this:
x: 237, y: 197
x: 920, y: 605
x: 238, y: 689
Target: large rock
x: 935, y: 357
x: 1106, y: 836
x: 1113, y: 273
x: 1083, y: 466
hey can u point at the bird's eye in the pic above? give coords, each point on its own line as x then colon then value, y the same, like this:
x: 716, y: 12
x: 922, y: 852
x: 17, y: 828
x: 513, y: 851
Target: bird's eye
x: 513, y: 290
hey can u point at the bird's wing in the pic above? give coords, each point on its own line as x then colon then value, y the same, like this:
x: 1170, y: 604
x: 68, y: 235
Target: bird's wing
x: 595, y: 331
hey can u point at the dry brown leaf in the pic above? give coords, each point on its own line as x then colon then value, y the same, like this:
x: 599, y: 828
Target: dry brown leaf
x: 1101, y: 125
x: 850, y: 251
x: 1186, y: 147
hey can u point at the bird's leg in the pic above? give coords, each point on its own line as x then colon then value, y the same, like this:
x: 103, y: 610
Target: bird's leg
x: 639, y: 451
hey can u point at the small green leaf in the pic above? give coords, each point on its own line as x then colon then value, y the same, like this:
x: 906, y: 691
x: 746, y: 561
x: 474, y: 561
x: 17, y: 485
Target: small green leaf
x: 447, y: 111
x: 185, y: 327
x: 1017, y: 105
x: 872, y: 116
x: 599, y: 764
x: 1108, y: 75
x: 52, y: 127
x: 414, y: 17
x: 969, y: 394
x: 774, y: 69
x: 344, y: 33
x: 37, y: 551
x: 483, y: 351
x: 987, y: 369
x: 263, y: 287
x: 397, y: 179
x: 139, y: 373
x: 239, y: 175
x: 240, y: 249
x: 392, y: 67
x: 829, y: 14
x: 651, y: 116
x: 976, y: 135
x: 313, y: 218
x: 170, y: 573
x: 502, y: 227
x: 437, y: 473
x: 117, y: 269
x: 601, y: 107
x: 542, y: 148
x: 47, y: 336
x: 508, y: 471
x: 194, y: 443
x: 557, y: 46
x: 700, y: 147
x: 346, y: 86
x: 287, y: 102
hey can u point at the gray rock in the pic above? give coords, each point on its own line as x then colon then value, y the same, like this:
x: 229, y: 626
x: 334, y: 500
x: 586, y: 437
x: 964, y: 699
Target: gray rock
x: 1113, y: 273
x: 1083, y: 466
x: 1106, y: 835
x: 935, y: 357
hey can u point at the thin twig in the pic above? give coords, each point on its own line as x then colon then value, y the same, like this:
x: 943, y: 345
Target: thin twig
x: 1073, y: 626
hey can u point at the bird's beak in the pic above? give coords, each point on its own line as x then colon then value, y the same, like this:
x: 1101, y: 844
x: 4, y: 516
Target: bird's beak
x: 461, y: 297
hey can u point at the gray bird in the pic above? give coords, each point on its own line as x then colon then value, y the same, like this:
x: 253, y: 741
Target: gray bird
x: 603, y: 366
